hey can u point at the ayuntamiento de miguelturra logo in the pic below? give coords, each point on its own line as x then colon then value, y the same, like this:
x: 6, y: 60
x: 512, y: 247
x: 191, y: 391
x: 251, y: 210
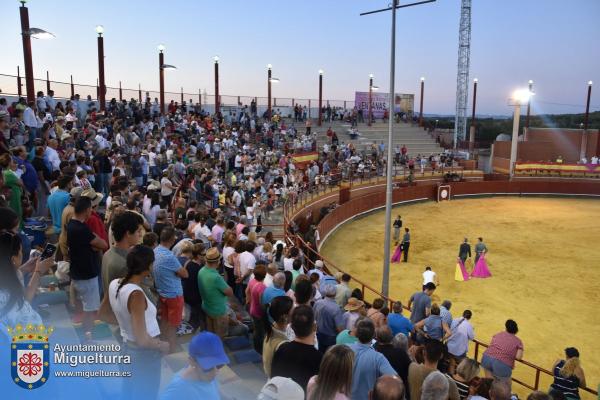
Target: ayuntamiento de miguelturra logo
x: 30, y: 355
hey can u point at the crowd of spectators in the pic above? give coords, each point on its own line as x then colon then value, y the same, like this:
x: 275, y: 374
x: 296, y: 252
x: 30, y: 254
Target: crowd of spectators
x: 161, y: 220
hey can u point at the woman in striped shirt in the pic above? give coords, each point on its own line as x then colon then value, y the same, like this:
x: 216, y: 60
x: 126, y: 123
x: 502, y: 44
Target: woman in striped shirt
x: 568, y: 375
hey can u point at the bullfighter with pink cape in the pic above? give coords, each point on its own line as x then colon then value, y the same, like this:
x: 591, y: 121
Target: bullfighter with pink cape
x: 397, y: 256
x: 481, y: 269
x: 461, y: 273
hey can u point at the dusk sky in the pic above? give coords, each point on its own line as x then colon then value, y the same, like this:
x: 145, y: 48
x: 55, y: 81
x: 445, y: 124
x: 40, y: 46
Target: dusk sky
x: 553, y: 42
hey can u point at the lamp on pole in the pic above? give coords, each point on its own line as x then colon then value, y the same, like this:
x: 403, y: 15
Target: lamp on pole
x: 421, y: 106
x: 102, y: 90
x: 320, y: 96
x: 520, y: 98
x: 217, y: 98
x: 27, y: 33
x: 587, y: 106
x: 388, y: 193
x: 530, y: 83
x: 269, y: 66
x: 161, y: 83
x: 472, y: 128
x: 370, y: 112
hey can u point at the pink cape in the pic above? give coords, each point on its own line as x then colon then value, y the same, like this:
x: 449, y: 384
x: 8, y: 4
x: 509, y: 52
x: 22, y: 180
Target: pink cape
x: 397, y: 254
x: 481, y: 269
x: 461, y: 273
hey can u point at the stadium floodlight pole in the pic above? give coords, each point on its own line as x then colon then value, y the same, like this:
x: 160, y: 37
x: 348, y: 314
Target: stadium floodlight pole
x: 217, y: 99
x: 388, y: 193
x: 102, y: 83
x: 530, y: 83
x: 320, y: 96
x: 27, y: 33
x: 421, y: 106
x: 472, y: 128
x: 520, y: 98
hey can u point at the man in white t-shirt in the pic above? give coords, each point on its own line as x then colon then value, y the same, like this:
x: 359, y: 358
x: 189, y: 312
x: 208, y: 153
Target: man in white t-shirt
x: 430, y: 276
x: 247, y: 262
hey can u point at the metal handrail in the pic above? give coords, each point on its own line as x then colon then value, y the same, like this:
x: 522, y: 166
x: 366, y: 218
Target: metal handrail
x: 296, y: 239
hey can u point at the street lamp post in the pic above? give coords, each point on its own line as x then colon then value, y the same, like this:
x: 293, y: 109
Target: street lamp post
x: 161, y: 63
x: 472, y: 128
x: 320, y: 96
x: 520, y: 98
x: 102, y: 90
x: 587, y: 106
x: 421, y: 106
x: 24, y: 12
x: 217, y: 99
x: 370, y: 112
x: 530, y: 83
x: 269, y: 66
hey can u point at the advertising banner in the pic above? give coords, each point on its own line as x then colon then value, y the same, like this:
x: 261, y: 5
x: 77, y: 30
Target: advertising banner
x: 402, y: 103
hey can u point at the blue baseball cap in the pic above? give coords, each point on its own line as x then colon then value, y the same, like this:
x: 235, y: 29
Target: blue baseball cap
x: 207, y: 349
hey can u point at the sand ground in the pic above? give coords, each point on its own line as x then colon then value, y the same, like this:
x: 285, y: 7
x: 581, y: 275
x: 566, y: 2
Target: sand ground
x: 543, y: 253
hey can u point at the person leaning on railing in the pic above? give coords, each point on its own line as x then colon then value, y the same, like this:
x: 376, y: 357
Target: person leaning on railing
x: 499, y: 359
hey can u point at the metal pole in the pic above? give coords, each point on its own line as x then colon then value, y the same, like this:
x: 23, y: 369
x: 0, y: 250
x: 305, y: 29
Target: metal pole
x: 140, y: 92
x: 528, y: 105
x: 587, y: 107
x: 421, y: 106
x: 181, y: 96
x: 515, y: 139
x: 217, y: 99
x: 120, y: 92
x: 472, y: 129
x: 269, y: 92
x: 320, y: 97
x: 370, y: 112
x: 388, y: 190
x: 72, y: 87
x: 47, y: 82
x: 102, y: 96
x: 24, y: 12
x: 19, y: 85
x: 200, y: 99
x: 161, y: 62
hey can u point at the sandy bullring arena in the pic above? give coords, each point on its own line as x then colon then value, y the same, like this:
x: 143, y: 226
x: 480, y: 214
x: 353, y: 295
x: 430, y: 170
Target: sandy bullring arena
x: 543, y: 256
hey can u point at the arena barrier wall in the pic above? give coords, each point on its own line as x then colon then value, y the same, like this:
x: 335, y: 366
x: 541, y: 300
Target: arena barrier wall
x: 375, y: 199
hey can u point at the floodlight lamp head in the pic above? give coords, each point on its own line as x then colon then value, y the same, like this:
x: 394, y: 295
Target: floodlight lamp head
x: 161, y: 47
x: 422, y: 79
x: 216, y: 58
x: 590, y: 83
x: 321, y: 72
x: 269, y: 66
x: 475, y: 80
x: 522, y: 96
x: 99, y: 30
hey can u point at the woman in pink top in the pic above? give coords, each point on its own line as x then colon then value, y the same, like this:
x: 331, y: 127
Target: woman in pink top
x: 256, y: 288
x: 334, y: 381
x: 499, y: 358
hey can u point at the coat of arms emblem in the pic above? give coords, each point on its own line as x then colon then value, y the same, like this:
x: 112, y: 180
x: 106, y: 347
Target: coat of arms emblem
x: 30, y: 355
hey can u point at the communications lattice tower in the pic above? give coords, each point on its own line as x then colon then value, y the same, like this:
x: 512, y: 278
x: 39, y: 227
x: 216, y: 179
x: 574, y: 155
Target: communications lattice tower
x: 462, y: 77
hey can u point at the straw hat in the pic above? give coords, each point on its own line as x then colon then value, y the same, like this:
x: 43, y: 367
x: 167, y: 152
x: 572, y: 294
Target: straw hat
x: 354, y: 304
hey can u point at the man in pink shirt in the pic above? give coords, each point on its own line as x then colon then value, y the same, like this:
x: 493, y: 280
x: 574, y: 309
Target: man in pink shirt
x: 254, y: 292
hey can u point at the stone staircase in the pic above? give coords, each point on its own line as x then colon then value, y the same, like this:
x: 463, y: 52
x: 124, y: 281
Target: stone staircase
x: 415, y: 138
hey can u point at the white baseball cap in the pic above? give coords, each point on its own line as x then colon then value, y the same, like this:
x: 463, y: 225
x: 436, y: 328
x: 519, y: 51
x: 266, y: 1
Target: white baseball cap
x: 280, y: 388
